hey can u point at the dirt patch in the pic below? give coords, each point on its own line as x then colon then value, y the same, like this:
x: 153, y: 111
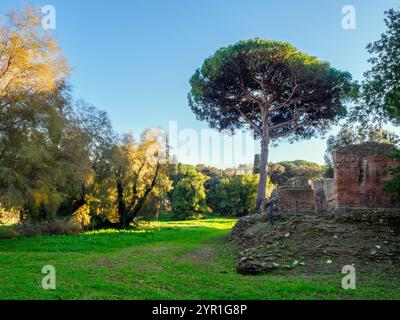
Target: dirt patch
x: 127, y: 257
x: 200, y: 258
x: 106, y: 262
x: 309, y: 244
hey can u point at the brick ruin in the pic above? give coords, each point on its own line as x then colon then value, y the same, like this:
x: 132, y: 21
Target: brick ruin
x: 359, y: 178
x: 358, y: 183
x: 298, y: 196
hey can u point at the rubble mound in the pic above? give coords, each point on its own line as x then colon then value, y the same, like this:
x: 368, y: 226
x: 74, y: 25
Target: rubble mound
x: 323, y: 243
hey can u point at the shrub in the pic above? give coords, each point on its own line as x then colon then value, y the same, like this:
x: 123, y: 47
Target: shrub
x: 233, y: 195
x: 189, y: 195
x: 53, y: 227
x: 8, y: 233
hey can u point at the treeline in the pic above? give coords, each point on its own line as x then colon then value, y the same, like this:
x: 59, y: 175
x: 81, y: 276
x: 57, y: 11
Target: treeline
x: 281, y: 172
x: 231, y: 191
x: 227, y: 192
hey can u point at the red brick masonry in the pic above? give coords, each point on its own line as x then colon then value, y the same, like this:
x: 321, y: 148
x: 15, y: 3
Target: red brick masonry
x: 296, y: 200
x: 359, y: 182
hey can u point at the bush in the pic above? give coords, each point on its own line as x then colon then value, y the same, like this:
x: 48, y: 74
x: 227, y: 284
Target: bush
x: 233, y: 195
x: 8, y: 233
x: 53, y: 227
x: 189, y: 195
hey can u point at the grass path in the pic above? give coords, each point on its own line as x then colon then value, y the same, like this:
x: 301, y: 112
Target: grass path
x: 163, y: 260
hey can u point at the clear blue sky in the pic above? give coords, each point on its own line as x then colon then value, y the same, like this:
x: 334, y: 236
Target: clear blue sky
x: 134, y: 58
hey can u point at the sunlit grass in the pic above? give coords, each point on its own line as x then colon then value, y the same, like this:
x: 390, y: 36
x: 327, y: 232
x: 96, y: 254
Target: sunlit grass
x: 217, y: 223
x: 159, y: 260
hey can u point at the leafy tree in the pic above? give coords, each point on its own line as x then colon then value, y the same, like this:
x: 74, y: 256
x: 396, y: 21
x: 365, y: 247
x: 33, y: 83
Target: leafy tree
x: 302, y: 168
x: 233, y: 195
x: 40, y: 158
x: 137, y: 174
x: 49, y: 149
x: 43, y: 162
x: 273, y: 89
x: 381, y: 89
x: 96, y: 136
x: 31, y: 63
x: 209, y: 171
x: 189, y: 195
x: 97, y: 128
x: 280, y: 173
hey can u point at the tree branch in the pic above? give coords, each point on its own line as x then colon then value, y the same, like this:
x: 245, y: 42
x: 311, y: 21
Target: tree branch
x: 287, y: 132
x: 248, y: 120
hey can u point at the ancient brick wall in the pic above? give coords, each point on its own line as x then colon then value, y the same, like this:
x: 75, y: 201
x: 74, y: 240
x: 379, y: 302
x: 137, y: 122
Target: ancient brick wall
x: 359, y: 182
x: 297, y: 197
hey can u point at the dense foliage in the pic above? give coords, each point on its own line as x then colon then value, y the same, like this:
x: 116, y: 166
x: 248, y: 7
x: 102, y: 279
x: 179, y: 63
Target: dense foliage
x: 381, y: 89
x: 133, y: 182
x: 189, y: 195
x: 280, y: 173
x: 60, y: 159
x: 43, y: 159
x: 233, y: 195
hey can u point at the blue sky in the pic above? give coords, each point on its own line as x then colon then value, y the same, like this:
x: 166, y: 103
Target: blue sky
x: 134, y: 58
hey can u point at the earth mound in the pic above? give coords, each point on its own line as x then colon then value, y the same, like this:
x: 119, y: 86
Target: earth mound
x: 324, y: 243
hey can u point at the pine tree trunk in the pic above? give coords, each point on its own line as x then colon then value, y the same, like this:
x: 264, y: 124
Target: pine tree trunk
x: 262, y: 187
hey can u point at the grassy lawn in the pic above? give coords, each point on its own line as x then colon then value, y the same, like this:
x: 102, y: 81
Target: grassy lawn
x: 162, y: 260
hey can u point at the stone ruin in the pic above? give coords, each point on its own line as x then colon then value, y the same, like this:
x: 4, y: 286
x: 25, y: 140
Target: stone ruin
x: 358, y: 183
x: 359, y: 178
x: 298, y: 196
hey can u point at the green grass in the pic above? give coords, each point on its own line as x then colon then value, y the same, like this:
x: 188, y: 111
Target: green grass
x: 162, y: 260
